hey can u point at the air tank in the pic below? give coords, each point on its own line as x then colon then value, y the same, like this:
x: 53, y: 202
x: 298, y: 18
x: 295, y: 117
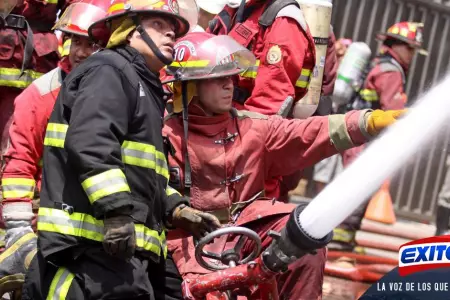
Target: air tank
x: 350, y: 72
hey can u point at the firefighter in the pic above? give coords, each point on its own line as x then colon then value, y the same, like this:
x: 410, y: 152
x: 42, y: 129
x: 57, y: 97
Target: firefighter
x: 32, y: 109
x: 105, y: 201
x: 221, y: 156
x: 384, y: 87
x: 283, y: 46
x: 29, y: 49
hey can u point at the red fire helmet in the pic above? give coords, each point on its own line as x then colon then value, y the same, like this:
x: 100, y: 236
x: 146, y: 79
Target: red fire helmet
x: 184, y: 12
x: 200, y: 55
x: 80, y: 15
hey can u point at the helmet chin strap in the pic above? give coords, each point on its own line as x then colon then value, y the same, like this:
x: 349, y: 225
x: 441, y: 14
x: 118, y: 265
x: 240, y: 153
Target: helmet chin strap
x: 148, y: 40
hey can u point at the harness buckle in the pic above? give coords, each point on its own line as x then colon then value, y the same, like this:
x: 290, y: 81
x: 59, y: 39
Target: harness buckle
x: 67, y: 208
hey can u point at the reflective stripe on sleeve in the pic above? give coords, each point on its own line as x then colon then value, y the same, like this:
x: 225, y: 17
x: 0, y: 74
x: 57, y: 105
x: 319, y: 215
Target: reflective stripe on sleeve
x: 11, y: 77
x: 301, y: 82
x: 18, y: 187
x: 105, y: 184
x: 55, y: 135
x: 59, y: 288
x: 133, y: 153
x: 146, y: 156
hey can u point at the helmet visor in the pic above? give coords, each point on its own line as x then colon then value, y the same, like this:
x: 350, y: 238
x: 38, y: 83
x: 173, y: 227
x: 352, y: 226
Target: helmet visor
x: 78, y: 17
x: 223, y: 56
x: 6, y: 6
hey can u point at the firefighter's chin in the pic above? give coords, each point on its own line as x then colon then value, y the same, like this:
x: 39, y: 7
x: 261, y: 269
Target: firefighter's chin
x: 224, y: 105
x: 167, y: 51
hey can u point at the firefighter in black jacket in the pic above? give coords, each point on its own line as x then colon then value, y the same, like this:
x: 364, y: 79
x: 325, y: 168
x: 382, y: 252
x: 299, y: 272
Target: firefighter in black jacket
x: 105, y: 200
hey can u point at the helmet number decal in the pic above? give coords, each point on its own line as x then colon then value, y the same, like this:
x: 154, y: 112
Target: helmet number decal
x: 183, y: 51
x: 179, y: 53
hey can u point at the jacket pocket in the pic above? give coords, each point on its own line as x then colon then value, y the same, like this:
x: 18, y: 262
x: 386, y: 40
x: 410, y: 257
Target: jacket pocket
x: 9, y: 41
x: 140, y: 210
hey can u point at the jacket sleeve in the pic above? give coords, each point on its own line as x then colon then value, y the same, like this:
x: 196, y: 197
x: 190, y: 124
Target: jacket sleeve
x: 389, y: 87
x: 23, y: 155
x: 98, y: 124
x: 293, y: 145
x: 276, y: 81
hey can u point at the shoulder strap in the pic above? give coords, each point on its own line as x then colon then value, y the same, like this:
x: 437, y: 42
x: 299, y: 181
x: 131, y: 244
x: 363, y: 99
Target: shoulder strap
x: 282, y: 8
x: 388, y: 64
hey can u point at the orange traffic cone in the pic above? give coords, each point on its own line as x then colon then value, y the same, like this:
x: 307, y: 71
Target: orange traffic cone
x: 380, y: 207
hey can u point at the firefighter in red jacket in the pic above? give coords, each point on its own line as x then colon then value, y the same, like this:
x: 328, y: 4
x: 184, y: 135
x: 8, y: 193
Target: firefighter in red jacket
x: 280, y: 39
x: 383, y: 88
x: 32, y: 109
x: 29, y: 49
x: 228, y: 155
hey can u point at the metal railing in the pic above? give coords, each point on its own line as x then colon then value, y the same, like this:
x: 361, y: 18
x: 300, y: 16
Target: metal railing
x: 416, y: 187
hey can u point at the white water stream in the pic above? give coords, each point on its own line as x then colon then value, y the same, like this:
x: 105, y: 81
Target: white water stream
x: 378, y: 162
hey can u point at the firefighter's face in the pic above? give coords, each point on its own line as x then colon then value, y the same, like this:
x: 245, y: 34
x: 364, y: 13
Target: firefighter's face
x: 80, y: 49
x: 162, y: 32
x: 405, y: 53
x: 215, y: 95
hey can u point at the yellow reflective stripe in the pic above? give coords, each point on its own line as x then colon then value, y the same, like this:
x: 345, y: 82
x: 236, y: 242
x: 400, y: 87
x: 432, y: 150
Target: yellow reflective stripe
x: 146, y: 156
x: 65, y: 49
x: 342, y: 235
x: 14, y: 248
x: 18, y: 187
x: 86, y: 226
x: 59, y: 288
x: 11, y: 77
x: 369, y: 95
x: 170, y: 191
x: 105, y: 184
x: 304, y: 79
x: 52, y: 1
x: 133, y: 153
x: 190, y: 64
x: 252, y: 71
x: 121, y: 6
x: 55, y: 135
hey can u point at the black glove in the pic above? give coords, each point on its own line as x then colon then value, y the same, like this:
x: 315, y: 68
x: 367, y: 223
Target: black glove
x: 194, y: 221
x: 120, y: 237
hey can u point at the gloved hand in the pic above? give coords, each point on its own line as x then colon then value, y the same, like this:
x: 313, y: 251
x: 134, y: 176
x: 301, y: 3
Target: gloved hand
x: 380, y: 119
x: 21, y: 246
x: 194, y: 221
x: 15, y: 260
x: 120, y: 236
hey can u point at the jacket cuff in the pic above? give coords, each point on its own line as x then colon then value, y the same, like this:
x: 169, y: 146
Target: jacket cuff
x: 112, y: 205
x: 357, y: 124
x: 174, y: 199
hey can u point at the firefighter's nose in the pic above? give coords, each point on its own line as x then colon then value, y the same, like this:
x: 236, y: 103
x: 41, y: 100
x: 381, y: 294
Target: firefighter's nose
x: 171, y: 34
x: 227, y: 83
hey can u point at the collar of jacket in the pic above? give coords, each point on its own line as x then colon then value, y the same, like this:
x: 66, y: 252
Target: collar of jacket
x: 151, y: 79
x: 388, y: 51
x: 200, y: 123
x: 65, y: 65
